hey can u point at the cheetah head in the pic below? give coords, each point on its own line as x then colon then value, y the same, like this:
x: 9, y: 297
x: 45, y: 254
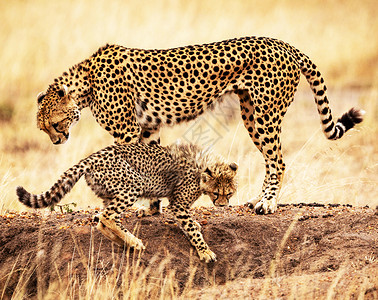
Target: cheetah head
x: 57, y: 112
x: 219, y: 182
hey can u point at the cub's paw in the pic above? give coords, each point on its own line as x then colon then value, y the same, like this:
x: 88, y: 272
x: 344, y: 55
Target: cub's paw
x: 143, y: 212
x: 154, y: 209
x: 133, y: 242
x: 207, y: 255
x: 266, y: 206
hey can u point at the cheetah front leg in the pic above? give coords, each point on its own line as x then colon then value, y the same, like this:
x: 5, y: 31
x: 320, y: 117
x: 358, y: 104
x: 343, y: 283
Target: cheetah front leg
x: 107, y: 232
x: 192, y: 231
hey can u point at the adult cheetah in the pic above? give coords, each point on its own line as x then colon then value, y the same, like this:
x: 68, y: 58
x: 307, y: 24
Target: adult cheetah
x: 133, y: 92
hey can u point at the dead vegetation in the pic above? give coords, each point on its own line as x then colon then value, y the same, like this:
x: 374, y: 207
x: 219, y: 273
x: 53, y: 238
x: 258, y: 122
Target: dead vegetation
x: 302, y: 251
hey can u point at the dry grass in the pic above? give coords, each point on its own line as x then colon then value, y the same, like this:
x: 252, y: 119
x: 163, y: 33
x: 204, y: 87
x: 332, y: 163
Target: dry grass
x: 41, y: 39
x: 125, y: 275
x: 127, y: 278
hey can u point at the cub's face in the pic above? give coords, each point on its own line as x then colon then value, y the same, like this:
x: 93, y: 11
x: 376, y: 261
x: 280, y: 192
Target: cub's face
x: 219, y: 182
x: 57, y: 112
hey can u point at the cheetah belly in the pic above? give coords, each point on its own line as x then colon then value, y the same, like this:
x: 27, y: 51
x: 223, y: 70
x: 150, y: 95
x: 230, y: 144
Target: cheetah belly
x: 154, y: 115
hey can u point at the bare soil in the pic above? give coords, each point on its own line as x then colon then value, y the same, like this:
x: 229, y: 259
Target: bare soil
x: 303, y: 250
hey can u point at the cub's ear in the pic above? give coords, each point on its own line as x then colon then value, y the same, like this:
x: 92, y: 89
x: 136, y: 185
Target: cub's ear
x: 63, y: 91
x: 206, y: 175
x: 40, y: 97
x: 208, y: 172
x: 234, y: 166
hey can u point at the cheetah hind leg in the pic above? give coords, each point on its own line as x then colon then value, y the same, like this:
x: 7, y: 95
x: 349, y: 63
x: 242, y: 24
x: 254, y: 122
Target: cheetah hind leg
x: 268, y: 200
x: 109, y: 234
x: 117, y: 233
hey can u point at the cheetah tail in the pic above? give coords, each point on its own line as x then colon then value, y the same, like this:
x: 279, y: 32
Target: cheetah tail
x: 56, y: 193
x: 332, y: 130
x: 347, y: 121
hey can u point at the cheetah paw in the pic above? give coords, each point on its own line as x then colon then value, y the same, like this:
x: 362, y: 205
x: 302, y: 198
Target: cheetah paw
x: 266, y: 206
x: 143, y: 212
x: 154, y: 209
x: 133, y: 242
x: 207, y: 255
x: 252, y: 203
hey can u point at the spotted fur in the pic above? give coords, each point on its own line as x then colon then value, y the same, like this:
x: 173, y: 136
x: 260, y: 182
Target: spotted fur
x: 132, y: 93
x: 120, y: 174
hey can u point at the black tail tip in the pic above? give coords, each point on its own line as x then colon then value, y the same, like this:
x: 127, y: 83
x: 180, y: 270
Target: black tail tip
x: 23, y: 195
x: 352, y: 117
x: 21, y: 192
x: 356, y: 115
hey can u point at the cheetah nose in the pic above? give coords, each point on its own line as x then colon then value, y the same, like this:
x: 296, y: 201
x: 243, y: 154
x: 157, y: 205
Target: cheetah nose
x: 260, y: 211
x: 59, y: 141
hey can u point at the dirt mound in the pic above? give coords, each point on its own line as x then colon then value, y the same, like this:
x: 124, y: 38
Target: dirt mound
x: 307, y: 250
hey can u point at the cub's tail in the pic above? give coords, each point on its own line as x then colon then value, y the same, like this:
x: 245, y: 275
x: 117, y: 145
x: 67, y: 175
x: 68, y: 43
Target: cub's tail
x: 56, y: 193
x: 332, y: 130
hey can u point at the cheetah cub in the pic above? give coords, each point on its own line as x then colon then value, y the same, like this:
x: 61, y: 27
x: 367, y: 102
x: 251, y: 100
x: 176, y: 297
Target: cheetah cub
x: 120, y: 174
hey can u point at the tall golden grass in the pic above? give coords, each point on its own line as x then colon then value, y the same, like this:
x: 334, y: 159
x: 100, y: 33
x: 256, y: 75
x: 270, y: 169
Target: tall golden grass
x: 40, y: 39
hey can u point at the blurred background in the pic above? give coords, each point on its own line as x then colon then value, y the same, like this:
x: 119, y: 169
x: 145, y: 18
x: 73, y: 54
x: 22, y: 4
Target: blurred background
x: 41, y: 39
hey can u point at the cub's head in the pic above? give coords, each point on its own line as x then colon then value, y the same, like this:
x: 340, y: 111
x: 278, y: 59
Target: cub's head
x: 219, y: 183
x: 57, y: 112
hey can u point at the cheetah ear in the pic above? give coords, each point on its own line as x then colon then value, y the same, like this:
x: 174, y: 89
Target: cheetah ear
x: 63, y: 91
x: 40, y: 97
x: 206, y: 175
x: 234, y: 166
x: 208, y: 172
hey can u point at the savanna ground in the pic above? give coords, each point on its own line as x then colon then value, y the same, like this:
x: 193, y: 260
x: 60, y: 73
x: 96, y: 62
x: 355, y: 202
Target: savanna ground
x: 41, y: 39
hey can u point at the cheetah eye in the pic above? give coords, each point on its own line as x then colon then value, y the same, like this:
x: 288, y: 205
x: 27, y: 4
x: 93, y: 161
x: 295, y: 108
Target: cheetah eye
x: 59, y: 127
x: 63, y: 91
x: 55, y: 126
